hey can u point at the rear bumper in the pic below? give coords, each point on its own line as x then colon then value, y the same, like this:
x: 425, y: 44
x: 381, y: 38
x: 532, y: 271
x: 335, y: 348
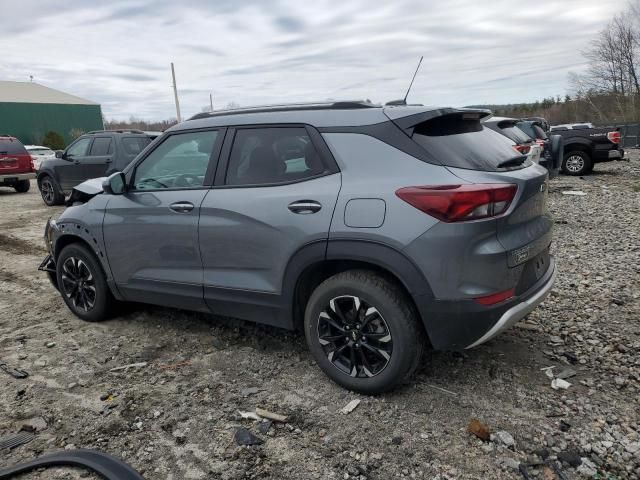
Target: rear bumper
x: 457, y: 325
x: 15, y: 177
x: 608, y: 155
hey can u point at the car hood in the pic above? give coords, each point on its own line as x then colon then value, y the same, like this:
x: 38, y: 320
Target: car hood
x: 85, y: 191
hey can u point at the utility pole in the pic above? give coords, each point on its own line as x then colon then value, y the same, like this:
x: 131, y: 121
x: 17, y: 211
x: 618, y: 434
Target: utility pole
x: 175, y: 93
x: 211, y: 101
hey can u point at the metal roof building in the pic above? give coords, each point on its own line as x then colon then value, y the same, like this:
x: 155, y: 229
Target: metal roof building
x: 29, y: 110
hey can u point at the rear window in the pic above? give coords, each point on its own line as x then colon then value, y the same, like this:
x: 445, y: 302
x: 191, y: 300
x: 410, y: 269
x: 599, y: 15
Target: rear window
x: 514, y: 133
x: 40, y: 151
x: 134, y: 145
x: 533, y: 130
x: 463, y: 143
x: 12, y: 147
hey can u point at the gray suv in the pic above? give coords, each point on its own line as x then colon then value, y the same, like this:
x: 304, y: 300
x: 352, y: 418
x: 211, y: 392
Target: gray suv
x: 376, y: 230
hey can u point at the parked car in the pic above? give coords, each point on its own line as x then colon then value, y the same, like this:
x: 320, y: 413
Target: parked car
x: 39, y: 154
x: 552, y: 145
x: 92, y: 155
x: 584, y: 146
x: 571, y: 126
x: 16, y: 165
x: 522, y: 142
x: 371, y: 228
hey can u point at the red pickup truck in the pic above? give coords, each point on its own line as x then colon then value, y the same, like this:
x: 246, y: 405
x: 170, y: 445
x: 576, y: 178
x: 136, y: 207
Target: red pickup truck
x: 16, y: 165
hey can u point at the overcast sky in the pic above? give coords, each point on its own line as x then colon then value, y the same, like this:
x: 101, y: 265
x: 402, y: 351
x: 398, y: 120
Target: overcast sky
x: 118, y: 53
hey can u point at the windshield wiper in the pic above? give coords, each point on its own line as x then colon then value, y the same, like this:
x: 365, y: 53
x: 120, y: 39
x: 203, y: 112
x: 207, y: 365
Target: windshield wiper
x: 513, y: 162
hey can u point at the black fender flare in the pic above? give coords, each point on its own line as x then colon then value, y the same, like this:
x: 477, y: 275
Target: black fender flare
x: 361, y: 250
x: 384, y: 256
x: 98, y: 462
x: 76, y: 232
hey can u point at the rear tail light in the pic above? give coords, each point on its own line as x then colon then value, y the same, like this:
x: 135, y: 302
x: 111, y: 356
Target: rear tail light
x: 523, y: 149
x: 495, y: 297
x: 459, y: 203
x: 614, y: 137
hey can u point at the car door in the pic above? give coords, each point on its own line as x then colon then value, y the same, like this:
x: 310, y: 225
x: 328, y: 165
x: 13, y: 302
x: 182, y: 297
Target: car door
x: 151, y: 231
x: 69, y: 172
x: 275, y: 193
x: 99, y: 160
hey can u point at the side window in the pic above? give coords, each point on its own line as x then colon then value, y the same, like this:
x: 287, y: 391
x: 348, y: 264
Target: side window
x: 272, y: 155
x: 132, y: 146
x: 101, y: 146
x: 181, y: 161
x: 79, y: 148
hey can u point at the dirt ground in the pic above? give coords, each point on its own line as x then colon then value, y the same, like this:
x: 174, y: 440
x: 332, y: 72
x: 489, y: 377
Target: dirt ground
x: 175, y: 417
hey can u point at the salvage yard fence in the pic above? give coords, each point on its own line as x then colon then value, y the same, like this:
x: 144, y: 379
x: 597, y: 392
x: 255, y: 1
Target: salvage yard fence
x: 630, y: 135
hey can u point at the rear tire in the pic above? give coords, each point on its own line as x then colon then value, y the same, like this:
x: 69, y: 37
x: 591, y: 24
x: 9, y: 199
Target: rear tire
x: 577, y: 163
x: 83, y: 285
x: 363, y: 332
x: 23, y: 186
x: 49, y: 191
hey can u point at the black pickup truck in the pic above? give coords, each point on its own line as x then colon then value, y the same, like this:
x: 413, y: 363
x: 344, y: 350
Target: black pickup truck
x: 585, y: 146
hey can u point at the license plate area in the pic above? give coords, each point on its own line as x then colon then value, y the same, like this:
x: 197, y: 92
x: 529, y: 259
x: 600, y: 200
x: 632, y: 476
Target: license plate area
x: 533, y: 271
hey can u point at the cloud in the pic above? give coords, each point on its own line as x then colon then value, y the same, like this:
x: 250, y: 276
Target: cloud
x: 267, y: 51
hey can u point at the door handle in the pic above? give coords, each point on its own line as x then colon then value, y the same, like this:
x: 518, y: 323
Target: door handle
x: 108, y: 160
x: 305, y: 207
x: 181, y: 207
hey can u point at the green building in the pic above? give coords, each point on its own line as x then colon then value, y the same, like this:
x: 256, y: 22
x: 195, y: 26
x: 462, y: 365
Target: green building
x: 29, y: 110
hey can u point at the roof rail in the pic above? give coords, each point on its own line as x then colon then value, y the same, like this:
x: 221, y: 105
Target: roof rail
x: 342, y: 105
x: 127, y: 130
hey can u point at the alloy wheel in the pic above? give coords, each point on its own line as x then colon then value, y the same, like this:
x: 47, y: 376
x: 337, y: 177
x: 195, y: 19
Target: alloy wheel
x: 46, y: 189
x: 78, y: 284
x: 575, y: 163
x: 355, y: 337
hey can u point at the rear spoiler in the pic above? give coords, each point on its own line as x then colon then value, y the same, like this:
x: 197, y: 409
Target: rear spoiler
x: 408, y: 117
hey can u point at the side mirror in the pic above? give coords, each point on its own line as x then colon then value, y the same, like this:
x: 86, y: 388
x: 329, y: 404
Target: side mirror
x: 59, y: 153
x: 115, y: 184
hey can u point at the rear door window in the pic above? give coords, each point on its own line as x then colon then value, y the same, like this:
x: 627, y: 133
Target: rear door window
x: 262, y: 156
x: 464, y: 143
x: 132, y: 146
x: 101, y: 146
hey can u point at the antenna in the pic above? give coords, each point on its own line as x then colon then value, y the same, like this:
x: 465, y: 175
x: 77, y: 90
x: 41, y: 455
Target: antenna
x: 414, y: 77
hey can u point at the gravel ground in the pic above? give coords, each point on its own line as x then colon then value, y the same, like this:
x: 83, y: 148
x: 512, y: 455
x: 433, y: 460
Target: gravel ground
x: 175, y: 417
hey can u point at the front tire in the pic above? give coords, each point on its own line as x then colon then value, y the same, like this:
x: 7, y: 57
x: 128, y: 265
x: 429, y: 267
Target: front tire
x: 82, y: 284
x: 363, y: 332
x: 49, y: 191
x: 23, y: 186
x: 577, y: 163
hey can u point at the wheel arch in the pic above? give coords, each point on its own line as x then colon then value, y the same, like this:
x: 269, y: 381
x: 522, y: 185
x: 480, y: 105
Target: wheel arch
x: 93, y: 246
x: 312, y: 265
x: 577, y: 145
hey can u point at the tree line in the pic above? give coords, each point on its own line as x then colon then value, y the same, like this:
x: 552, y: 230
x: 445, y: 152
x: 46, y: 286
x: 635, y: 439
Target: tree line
x: 608, y: 92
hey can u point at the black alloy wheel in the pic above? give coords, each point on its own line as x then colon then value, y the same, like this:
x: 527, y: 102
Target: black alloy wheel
x: 355, y: 337
x: 83, y: 284
x: 78, y: 284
